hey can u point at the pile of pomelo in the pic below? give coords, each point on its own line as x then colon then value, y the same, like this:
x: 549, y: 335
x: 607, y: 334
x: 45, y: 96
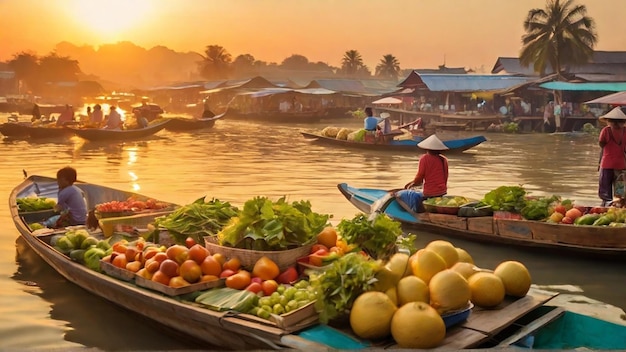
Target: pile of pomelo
x: 412, y: 294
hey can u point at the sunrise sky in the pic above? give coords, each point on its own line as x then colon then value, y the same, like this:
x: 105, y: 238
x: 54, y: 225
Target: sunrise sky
x: 419, y: 33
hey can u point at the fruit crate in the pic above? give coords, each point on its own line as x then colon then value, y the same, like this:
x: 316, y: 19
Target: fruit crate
x: 118, y: 273
x: 293, y: 321
x: 176, y: 291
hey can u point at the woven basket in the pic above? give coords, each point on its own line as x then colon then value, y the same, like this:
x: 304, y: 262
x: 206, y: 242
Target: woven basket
x: 248, y: 257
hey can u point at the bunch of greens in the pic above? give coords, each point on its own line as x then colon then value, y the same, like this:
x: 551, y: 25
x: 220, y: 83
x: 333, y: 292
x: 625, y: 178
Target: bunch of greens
x: 538, y: 209
x: 506, y: 198
x: 377, y: 236
x: 27, y: 204
x: 196, y: 220
x: 511, y: 127
x: 272, y: 226
x: 338, y: 286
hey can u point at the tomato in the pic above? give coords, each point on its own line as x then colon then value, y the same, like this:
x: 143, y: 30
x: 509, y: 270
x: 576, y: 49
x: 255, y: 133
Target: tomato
x: 254, y: 287
x: 316, y: 247
x: 288, y: 276
x: 190, y: 242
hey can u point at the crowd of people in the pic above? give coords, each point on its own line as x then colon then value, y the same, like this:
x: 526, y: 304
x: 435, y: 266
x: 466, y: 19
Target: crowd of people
x: 94, y: 118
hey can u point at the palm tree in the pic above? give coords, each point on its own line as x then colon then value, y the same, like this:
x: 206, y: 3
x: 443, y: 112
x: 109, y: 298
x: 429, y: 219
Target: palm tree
x: 559, y: 36
x: 216, y: 62
x: 351, y: 62
x: 389, y: 67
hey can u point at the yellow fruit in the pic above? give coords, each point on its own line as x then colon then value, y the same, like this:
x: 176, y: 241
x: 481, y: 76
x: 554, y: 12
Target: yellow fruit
x: 370, y: 316
x: 426, y: 263
x: 412, y: 289
x: 393, y: 295
x: 515, y: 277
x: 417, y: 325
x: 448, y: 291
x: 328, y: 237
x: 464, y: 256
x: 465, y: 269
x: 487, y: 289
x: 389, y: 275
x: 446, y: 250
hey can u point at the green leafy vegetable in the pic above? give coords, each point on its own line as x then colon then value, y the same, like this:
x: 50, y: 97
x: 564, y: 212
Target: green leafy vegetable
x: 198, y: 219
x: 376, y: 236
x: 506, y: 198
x: 27, y: 204
x: 538, y: 209
x: 267, y: 225
x: 341, y: 283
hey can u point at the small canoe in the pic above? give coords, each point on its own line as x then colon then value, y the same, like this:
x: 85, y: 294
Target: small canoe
x: 181, y: 124
x: 510, y: 323
x: 28, y: 130
x: 15, y: 129
x: 602, y: 242
x: 408, y: 145
x: 104, y: 135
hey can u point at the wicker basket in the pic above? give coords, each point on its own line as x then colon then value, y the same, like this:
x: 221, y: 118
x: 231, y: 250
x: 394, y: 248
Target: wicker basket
x: 248, y: 257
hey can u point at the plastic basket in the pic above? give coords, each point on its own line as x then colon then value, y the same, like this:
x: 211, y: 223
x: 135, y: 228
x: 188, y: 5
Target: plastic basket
x: 248, y: 257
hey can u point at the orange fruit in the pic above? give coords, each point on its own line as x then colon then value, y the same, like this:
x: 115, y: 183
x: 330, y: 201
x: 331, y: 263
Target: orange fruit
x: 210, y: 266
x: 239, y: 281
x: 328, y: 237
x: 220, y: 258
x: 233, y: 264
x: 265, y: 269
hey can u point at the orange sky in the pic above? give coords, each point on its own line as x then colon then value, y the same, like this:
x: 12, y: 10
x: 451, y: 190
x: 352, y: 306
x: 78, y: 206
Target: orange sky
x: 419, y: 33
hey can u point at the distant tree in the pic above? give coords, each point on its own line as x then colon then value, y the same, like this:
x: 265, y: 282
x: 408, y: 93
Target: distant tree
x: 560, y: 35
x: 244, y: 65
x: 55, y: 68
x: 364, y: 72
x: 295, y: 62
x: 26, y: 68
x: 216, y: 63
x: 388, y: 67
x: 351, y: 62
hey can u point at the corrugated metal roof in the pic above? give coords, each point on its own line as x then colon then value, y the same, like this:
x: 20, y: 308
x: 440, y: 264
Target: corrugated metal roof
x: 587, y: 86
x: 470, y: 83
x: 601, y: 77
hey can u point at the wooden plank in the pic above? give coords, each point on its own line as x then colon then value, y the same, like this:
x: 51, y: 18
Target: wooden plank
x: 458, y: 338
x: 533, y: 326
x: 481, y: 224
x: 543, y: 231
x: 514, y: 229
x: 447, y: 220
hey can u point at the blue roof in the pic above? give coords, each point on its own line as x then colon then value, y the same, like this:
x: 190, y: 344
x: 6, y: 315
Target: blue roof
x: 470, y: 82
x: 587, y: 86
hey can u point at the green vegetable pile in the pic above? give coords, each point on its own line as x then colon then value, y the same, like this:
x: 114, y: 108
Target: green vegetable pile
x: 510, y: 127
x: 539, y: 208
x: 376, y: 236
x: 196, y: 220
x: 27, y: 204
x: 338, y: 286
x: 506, y: 198
x: 273, y: 226
x: 81, y: 247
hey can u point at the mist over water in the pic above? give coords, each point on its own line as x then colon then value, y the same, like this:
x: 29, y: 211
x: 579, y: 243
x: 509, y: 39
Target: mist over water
x: 236, y: 161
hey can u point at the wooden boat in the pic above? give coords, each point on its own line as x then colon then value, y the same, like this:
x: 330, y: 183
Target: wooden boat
x: 103, y: 135
x: 181, y: 124
x: 409, y: 145
x: 28, y: 130
x: 276, y: 116
x: 15, y: 129
x: 236, y: 331
x: 602, y: 242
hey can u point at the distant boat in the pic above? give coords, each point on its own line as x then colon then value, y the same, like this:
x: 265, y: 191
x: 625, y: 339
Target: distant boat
x: 182, y: 124
x: 103, y: 135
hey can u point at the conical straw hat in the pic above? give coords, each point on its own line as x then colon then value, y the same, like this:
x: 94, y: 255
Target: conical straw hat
x: 615, y: 114
x: 432, y: 143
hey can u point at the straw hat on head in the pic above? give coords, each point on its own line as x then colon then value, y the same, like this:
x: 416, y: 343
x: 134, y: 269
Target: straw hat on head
x: 615, y: 114
x: 432, y: 143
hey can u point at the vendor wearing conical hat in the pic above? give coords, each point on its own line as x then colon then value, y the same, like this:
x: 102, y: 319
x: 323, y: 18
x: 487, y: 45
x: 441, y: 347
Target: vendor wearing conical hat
x: 612, y: 140
x: 432, y: 174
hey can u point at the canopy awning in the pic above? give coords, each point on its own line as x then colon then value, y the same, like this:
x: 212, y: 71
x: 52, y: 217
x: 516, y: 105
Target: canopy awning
x: 618, y: 98
x: 387, y: 100
x: 586, y: 86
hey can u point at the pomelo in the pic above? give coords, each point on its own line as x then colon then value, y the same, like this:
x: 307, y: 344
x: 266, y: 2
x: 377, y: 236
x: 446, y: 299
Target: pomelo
x: 515, y: 277
x: 487, y: 289
x: 465, y: 269
x: 412, y: 289
x: 449, y: 291
x: 417, y: 325
x: 464, y: 256
x: 446, y: 250
x: 426, y: 263
x: 371, y: 313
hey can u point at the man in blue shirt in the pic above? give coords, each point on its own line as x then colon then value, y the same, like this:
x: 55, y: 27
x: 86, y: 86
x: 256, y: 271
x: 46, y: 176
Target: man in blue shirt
x: 370, y: 123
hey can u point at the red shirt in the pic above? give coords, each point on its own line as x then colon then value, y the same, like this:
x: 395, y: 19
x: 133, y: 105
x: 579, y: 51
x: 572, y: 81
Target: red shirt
x: 613, y: 151
x: 433, y: 171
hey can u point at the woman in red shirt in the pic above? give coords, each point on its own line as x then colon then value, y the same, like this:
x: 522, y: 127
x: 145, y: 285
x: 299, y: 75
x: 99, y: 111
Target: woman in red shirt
x: 432, y: 172
x: 612, y: 140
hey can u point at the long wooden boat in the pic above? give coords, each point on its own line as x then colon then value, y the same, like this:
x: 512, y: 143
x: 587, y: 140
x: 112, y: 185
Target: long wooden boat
x: 103, y: 135
x: 28, y: 130
x: 509, y: 323
x: 15, y: 129
x: 595, y: 241
x: 409, y: 145
x: 181, y: 124
x: 276, y: 116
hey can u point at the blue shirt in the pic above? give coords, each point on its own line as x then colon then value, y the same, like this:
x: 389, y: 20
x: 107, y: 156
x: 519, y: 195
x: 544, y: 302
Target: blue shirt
x: 370, y: 123
x: 71, y: 199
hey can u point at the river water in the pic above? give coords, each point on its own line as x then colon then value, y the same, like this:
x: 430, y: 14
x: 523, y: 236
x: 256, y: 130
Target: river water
x: 236, y: 161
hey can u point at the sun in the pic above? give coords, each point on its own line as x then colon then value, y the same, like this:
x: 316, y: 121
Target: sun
x: 111, y: 19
